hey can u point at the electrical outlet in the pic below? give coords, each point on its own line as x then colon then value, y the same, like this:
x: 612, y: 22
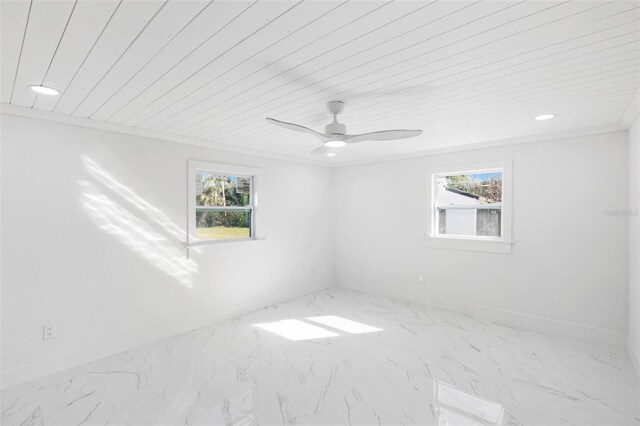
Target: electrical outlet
x: 421, y: 278
x: 48, y: 332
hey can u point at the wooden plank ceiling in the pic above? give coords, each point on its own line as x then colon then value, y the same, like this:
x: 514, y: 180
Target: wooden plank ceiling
x: 465, y: 72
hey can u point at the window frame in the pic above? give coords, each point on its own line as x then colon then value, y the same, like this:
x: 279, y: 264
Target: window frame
x: 501, y: 244
x: 223, y: 170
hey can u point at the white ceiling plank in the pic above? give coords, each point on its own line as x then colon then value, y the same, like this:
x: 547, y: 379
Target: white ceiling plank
x: 382, y: 59
x: 289, y: 34
x: 318, y: 36
x: 401, y: 80
x: 459, y: 58
x: 276, y: 73
x: 171, y: 20
x: 236, y: 32
x: 561, y: 54
x: 581, y: 73
x: 47, y: 23
x: 565, y: 77
x: 374, y: 20
x: 14, y: 16
x: 491, y: 107
x: 322, y: 95
x: 533, y: 104
x: 585, y: 78
x: 380, y: 28
x: 502, y: 62
x: 125, y: 26
x: 88, y: 20
x: 189, y: 42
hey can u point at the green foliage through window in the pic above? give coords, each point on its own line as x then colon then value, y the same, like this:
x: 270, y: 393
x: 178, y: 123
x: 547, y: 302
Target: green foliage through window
x: 220, y: 191
x: 219, y: 202
x: 488, y: 186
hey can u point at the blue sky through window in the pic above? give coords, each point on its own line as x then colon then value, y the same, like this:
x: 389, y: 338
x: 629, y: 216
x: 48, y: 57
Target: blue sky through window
x: 207, y: 174
x: 486, y: 176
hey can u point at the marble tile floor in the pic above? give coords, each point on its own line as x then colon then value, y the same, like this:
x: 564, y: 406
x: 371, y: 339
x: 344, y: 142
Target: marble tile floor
x: 413, y: 365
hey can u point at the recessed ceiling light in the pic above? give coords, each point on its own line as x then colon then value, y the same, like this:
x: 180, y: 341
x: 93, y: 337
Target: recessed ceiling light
x: 331, y: 154
x: 335, y: 144
x: 44, y: 90
x: 545, y: 117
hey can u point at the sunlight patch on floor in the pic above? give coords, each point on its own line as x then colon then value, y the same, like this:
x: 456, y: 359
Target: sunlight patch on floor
x: 343, y: 324
x: 294, y: 329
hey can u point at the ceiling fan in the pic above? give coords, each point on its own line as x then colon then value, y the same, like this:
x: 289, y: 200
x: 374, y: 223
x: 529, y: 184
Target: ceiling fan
x: 335, y: 134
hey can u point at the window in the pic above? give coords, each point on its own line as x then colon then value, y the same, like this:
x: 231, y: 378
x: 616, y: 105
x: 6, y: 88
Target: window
x: 222, y: 201
x: 470, y: 205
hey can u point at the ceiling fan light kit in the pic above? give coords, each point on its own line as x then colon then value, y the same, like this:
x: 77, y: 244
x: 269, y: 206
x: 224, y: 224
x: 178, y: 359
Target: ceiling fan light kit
x: 335, y: 133
x: 335, y: 143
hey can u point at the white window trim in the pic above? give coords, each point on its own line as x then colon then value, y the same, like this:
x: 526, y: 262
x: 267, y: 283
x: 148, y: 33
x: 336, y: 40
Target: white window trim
x: 500, y: 244
x: 222, y: 169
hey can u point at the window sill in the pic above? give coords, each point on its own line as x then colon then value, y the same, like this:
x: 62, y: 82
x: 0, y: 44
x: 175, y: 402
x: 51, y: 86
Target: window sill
x: 229, y: 240
x: 469, y: 244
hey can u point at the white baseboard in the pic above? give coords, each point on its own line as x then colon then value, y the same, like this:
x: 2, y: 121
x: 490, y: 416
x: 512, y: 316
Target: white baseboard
x: 506, y: 317
x: 32, y: 371
x: 634, y: 354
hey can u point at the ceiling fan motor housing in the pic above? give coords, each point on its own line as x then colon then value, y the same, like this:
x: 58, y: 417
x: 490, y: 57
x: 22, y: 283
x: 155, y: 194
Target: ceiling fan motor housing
x: 335, y: 128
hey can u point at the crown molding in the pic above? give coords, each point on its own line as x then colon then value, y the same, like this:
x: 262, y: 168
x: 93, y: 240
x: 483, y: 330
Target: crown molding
x: 154, y: 134
x: 543, y: 137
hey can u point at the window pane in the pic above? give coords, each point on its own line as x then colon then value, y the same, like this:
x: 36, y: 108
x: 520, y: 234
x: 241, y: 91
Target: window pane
x: 469, y: 189
x: 221, y: 225
x: 442, y: 221
x: 488, y: 222
x: 458, y: 222
x: 222, y: 190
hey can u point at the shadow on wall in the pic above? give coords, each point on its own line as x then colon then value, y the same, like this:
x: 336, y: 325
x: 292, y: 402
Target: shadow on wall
x: 136, y: 223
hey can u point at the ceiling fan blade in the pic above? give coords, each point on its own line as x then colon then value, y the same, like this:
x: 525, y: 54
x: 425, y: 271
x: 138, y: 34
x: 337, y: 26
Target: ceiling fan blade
x: 296, y: 127
x: 385, y: 135
x: 320, y: 151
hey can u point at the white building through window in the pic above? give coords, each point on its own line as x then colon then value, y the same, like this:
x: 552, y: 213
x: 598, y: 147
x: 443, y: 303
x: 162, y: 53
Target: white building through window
x: 471, y: 203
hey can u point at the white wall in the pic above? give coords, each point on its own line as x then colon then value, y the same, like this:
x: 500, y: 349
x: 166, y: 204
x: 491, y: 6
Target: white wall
x: 633, y: 342
x: 92, y: 225
x: 567, y: 270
